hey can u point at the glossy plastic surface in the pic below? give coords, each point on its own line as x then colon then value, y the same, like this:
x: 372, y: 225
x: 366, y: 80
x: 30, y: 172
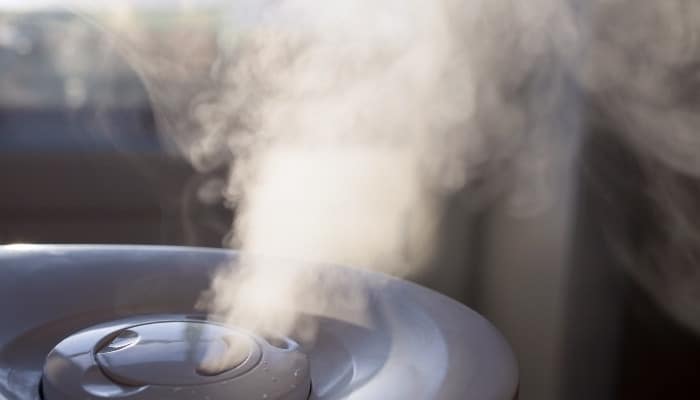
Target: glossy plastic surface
x: 414, y: 344
x: 163, y: 358
x: 176, y: 353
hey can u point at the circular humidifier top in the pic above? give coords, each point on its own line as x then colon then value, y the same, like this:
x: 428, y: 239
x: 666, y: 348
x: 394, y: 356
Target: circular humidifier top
x: 103, y: 322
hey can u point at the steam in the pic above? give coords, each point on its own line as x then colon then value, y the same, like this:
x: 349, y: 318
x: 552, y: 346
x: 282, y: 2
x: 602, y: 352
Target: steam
x: 647, y: 77
x: 641, y: 68
x: 346, y: 125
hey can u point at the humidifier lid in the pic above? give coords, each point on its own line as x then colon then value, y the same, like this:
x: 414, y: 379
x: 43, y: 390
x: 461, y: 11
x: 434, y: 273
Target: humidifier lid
x: 175, y: 359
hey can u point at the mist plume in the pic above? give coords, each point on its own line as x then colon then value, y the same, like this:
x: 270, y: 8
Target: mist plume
x: 346, y: 124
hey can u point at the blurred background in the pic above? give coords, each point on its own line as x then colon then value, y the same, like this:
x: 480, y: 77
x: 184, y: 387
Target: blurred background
x: 83, y: 159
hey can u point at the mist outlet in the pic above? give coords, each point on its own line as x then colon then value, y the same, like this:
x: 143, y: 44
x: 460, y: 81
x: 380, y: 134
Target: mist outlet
x: 182, y: 359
